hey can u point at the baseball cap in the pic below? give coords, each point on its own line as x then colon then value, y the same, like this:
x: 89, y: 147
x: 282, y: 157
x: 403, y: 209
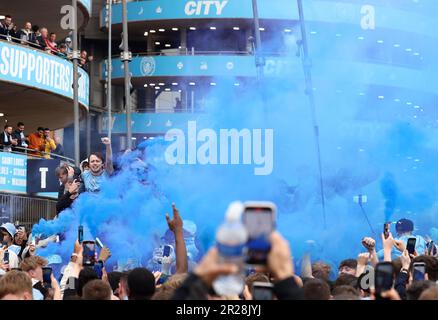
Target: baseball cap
x: 10, y: 228
x: 404, y: 225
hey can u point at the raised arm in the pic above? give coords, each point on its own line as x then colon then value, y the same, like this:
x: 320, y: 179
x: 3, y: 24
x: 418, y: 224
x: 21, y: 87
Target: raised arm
x: 109, y: 156
x: 176, y: 225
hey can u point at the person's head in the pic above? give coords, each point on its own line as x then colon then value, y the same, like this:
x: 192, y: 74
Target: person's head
x: 114, y: 280
x: 63, y: 48
x: 321, y: 270
x: 46, y: 132
x: 345, y: 279
x: 8, y: 20
x: 62, y: 174
x: 52, y: 37
x: 141, y: 284
x: 85, y: 166
x: 8, y: 129
x: 44, y: 32
x: 28, y: 26
x: 344, y: 290
x: 95, y: 161
x: 256, y: 277
x: 404, y: 227
x: 86, y: 275
x: 431, y: 266
x: 316, y: 289
x: 347, y: 266
x: 8, y: 231
x: 68, y: 41
x: 20, y: 126
x: 40, y: 131
x: 16, y: 285
x: 35, y: 28
x: 430, y: 294
x: 414, y: 291
x: 123, y: 286
x: 84, y: 54
x: 34, y: 267
x: 96, y: 290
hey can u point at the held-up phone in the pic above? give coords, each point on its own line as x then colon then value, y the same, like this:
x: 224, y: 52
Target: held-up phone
x: 384, y: 278
x: 80, y: 234
x: 419, y: 271
x: 6, y: 257
x: 431, y: 248
x: 167, y: 250
x: 262, y: 291
x: 259, y: 220
x: 410, y: 246
x: 89, y: 253
x: 47, y: 281
x: 98, y: 268
x: 386, y: 229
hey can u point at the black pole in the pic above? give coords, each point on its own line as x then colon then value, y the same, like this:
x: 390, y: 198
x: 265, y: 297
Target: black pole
x: 307, y: 65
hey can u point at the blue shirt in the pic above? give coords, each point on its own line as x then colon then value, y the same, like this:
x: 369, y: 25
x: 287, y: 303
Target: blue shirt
x: 420, y: 246
x: 92, y: 183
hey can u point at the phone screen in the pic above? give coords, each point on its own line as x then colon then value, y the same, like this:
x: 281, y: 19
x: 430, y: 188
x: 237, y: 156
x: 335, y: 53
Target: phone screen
x: 411, y: 245
x: 259, y: 223
x: 383, y: 277
x: 419, y: 271
x: 80, y: 234
x: 89, y: 253
x: 47, y: 272
x: 166, y: 251
x: 386, y: 229
x: 98, y: 268
x: 6, y: 257
x: 262, y: 291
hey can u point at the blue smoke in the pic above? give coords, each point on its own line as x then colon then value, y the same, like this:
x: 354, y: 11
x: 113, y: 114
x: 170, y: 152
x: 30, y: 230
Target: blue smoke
x: 369, y: 146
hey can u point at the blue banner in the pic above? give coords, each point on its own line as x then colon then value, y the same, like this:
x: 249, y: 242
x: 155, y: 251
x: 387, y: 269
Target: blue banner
x: 208, y: 66
x: 13, y: 170
x: 37, y: 69
x: 404, y: 17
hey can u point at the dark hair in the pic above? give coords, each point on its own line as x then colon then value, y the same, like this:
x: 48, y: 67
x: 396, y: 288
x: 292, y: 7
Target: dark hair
x: 46, y: 129
x: 351, y: 263
x: 40, y: 129
x: 345, y: 279
x: 35, y: 28
x: 60, y: 170
x: 20, y: 124
x: 96, y: 154
x: 431, y: 266
x: 141, y: 284
x: 52, y: 33
x: 8, y: 16
x: 114, y: 279
x: 345, y: 290
x: 85, y: 276
x: 316, y: 289
x: 96, y: 290
x: 321, y: 270
x: 8, y: 126
x: 256, y: 277
x: 414, y: 291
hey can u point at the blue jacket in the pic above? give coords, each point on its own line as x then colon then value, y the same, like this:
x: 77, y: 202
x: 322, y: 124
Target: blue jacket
x: 420, y: 246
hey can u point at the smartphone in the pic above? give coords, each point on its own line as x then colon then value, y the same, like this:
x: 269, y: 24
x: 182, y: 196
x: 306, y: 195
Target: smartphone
x: 6, y: 257
x: 410, y: 246
x: 47, y: 281
x: 98, y: 268
x: 259, y: 219
x: 431, y: 248
x: 262, y: 291
x: 99, y: 243
x: 419, y: 271
x: 167, y: 250
x: 163, y: 278
x: 89, y: 253
x: 386, y: 229
x: 383, y: 278
x: 80, y: 234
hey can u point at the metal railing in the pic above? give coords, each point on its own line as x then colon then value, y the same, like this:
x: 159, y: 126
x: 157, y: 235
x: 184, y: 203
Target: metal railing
x: 26, y: 210
x: 32, y: 156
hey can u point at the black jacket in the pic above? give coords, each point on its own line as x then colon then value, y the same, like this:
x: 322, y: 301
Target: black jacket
x: 17, y: 135
x: 5, y: 32
x: 193, y: 288
x: 5, y: 141
x: 400, y: 284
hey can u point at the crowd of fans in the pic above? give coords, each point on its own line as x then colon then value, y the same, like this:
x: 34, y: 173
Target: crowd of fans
x: 184, y: 276
x: 37, y: 144
x: 40, y: 38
